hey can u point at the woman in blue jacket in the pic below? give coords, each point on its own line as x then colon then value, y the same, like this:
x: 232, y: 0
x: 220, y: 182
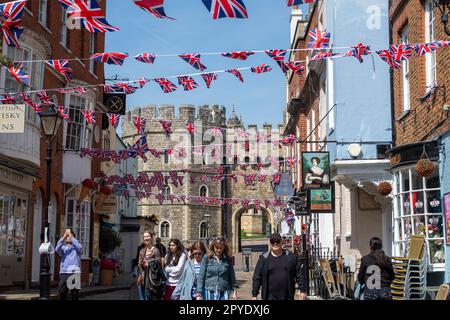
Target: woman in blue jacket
x: 217, y: 278
x: 187, y: 285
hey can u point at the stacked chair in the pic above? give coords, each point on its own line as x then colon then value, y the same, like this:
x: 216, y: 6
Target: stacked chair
x: 410, y: 272
x: 336, y: 287
x: 443, y: 292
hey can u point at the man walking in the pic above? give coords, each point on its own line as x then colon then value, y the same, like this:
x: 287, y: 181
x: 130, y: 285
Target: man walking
x: 276, y: 273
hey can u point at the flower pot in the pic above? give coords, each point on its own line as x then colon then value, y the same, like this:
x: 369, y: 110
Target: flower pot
x: 384, y: 188
x: 106, y: 277
x: 424, y: 167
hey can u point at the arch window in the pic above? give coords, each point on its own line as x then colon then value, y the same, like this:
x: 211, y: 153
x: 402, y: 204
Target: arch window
x: 164, y: 229
x: 203, y: 230
x: 203, y: 191
x: 167, y: 191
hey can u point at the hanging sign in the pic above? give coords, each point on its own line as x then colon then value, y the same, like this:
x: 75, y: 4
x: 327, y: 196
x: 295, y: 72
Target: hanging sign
x: 316, y: 170
x: 12, y: 118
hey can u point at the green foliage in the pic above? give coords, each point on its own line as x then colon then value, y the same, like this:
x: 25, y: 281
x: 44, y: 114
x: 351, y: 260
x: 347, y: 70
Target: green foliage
x: 243, y: 233
x: 109, y: 240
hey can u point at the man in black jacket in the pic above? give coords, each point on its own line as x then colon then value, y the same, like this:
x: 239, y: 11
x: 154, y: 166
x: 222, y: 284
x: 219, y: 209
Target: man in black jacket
x: 276, y: 273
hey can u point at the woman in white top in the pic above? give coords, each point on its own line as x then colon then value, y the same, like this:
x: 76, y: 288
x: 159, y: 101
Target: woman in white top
x: 175, y: 260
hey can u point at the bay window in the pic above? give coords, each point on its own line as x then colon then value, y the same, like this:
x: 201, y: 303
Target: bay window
x: 78, y: 219
x: 418, y: 211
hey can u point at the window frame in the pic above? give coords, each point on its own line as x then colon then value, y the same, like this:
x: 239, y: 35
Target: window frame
x: 204, y: 231
x: 81, y: 228
x: 406, y: 87
x: 200, y: 190
x: 169, y: 231
x: 42, y: 14
x: 83, y: 132
x: 92, y: 45
x: 430, y: 36
x: 64, y: 33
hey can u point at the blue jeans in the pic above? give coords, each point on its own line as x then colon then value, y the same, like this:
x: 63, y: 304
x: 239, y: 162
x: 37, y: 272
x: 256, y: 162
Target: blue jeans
x: 384, y: 293
x: 141, y: 290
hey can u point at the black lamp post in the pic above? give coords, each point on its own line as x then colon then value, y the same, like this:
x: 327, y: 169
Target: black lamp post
x: 50, y: 121
x: 207, y: 218
x: 444, y: 8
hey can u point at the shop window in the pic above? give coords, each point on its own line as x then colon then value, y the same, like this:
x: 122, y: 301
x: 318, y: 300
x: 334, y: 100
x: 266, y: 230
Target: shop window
x: 13, y: 221
x: 78, y: 219
x: 418, y: 211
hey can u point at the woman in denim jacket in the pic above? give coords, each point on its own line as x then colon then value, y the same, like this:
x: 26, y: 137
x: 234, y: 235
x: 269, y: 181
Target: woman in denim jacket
x: 217, y: 278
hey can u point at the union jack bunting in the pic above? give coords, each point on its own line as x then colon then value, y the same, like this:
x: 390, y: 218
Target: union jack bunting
x: 124, y: 87
x: 62, y: 67
x: 187, y: 82
x: 145, y: 57
x: 166, y: 85
x: 424, y: 48
x: 44, y: 98
x: 108, y: 88
x: 37, y: 107
x: 11, y: 22
x: 142, y: 82
x: 139, y: 123
x: 68, y: 90
x: 401, y: 52
x: 291, y: 3
x: 139, y: 148
x: 209, y: 78
x: 323, y: 56
x: 18, y: 74
x: 64, y: 113
x: 226, y: 8
x: 116, y: 58
x: 278, y: 55
x: 89, y: 13
x: 358, y: 51
x: 236, y: 73
x: 319, y: 39
x: 155, y: 7
x: 388, y: 57
x: 8, y: 99
x: 238, y: 55
x: 295, y: 67
x: 167, y: 126
x: 25, y: 97
x: 261, y: 68
x: 80, y: 90
x: 113, y: 119
x: 193, y: 59
x: 89, y: 116
x: 191, y: 128
x: 442, y: 43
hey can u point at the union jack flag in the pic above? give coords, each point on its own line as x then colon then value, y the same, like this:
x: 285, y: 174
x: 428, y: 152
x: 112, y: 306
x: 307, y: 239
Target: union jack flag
x: 358, y: 51
x: 124, y: 87
x: 191, y: 128
x: 167, y: 127
x: 424, y: 48
x: 261, y: 68
x: 142, y: 82
x: 139, y: 148
x: 64, y: 113
x: 18, y: 74
x: 155, y: 7
x: 291, y: 3
x: 108, y: 88
x: 236, y: 73
x: 387, y: 57
x: 278, y: 56
x: 62, y: 67
x: 116, y: 58
x: 68, y: 90
x: 145, y: 57
x: 166, y: 85
x: 319, y: 39
x: 89, y: 116
x: 89, y: 13
x: 139, y: 123
x: 25, y: 97
x: 45, y: 98
x: 239, y: 55
x: 226, y: 8
x: 442, y: 43
x: 113, y: 119
x: 37, y: 107
x: 209, y: 78
x: 80, y: 90
x: 295, y: 67
x: 8, y: 99
x: 193, y: 59
x: 323, y: 56
x: 11, y: 22
x: 401, y: 52
x: 187, y: 82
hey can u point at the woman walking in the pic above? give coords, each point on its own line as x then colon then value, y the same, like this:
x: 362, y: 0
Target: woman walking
x: 376, y: 262
x: 149, y: 262
x: 175, y: 260
x: 217, y: 280
x: 187, y: 285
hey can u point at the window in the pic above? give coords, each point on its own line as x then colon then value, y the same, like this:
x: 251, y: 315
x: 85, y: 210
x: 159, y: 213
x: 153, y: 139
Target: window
x: 78, y: 134
x: 91, y: 51
x: 430, y: 36
x: 34, y: 70
x: 166, y: 158
x: 405, y: 74
x: 106, y: 140
x: 418, y: 211
x: 78, y: 219
x: 203, y: 191
x: 43, y: 12
x: 13, y: 223
x: 63, y: 37
x: 203, y: 230
x: 164, y: 229
x: 167, y: 191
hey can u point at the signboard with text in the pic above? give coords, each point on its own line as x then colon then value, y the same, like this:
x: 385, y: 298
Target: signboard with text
x: 12, y: 118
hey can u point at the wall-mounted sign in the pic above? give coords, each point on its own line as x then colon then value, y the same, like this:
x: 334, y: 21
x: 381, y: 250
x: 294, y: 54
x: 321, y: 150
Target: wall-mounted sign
x: 321, y: 200
x: 12, y: 118
x: 447, y: 216
x: 316, y: 170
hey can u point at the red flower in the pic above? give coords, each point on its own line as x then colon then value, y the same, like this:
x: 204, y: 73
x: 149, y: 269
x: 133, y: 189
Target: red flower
x: 105, y: 190
x: 88, y: 183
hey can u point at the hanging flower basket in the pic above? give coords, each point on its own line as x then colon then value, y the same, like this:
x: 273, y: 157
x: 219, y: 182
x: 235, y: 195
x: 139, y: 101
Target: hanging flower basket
x: 86, y: 186
x: 384, y: 188
x: 424, y: 167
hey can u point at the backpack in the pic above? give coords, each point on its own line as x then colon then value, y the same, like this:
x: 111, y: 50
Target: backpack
x: 155, y: 280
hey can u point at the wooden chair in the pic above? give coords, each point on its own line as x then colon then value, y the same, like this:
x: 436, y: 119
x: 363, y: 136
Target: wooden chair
x: 443, y: 292
x: 328, y: 278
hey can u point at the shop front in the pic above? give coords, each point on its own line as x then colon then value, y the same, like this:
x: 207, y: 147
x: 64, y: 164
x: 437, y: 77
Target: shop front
x: 15, y: 196
x: 418, y: 207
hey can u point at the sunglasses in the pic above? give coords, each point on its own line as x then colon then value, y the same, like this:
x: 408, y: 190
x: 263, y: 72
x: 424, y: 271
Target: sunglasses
x: 275, y: 242
x: 198, y: 253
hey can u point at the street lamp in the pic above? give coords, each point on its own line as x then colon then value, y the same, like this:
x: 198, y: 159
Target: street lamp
x: 207, y: 218
x: 444, y: 8
x: 50, y: 121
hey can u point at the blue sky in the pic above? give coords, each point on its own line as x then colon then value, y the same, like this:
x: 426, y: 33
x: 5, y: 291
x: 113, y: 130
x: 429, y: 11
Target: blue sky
x: 259, y: 99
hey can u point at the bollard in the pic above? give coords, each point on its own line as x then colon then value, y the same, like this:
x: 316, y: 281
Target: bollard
x: 247, y: 264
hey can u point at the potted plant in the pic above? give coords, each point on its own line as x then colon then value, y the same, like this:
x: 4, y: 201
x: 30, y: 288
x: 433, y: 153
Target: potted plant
x: 108, y: 242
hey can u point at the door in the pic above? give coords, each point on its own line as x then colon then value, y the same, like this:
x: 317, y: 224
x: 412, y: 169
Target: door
x: 37, y: 222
